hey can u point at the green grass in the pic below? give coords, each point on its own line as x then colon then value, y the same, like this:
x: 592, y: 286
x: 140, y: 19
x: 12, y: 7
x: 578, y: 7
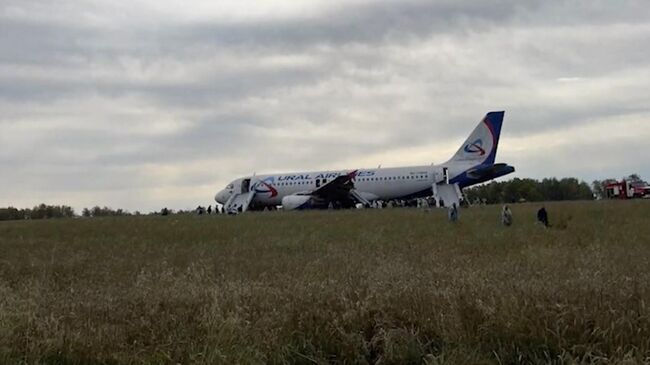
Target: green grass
x: 392, y: 286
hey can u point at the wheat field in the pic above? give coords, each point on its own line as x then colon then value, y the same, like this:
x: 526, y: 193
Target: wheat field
x: 390, y: 286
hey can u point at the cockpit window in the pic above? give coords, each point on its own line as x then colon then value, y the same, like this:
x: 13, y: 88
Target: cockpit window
x: 230, y: 186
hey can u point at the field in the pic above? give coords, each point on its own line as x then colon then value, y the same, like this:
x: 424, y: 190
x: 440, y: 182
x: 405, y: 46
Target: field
x: 391, y: 286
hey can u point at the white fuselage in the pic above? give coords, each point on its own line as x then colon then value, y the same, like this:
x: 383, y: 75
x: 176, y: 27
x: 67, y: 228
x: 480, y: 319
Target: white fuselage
x: 372, y: 184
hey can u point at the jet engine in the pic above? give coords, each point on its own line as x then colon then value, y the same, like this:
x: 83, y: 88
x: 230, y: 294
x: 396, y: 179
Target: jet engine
x: 291, y: 202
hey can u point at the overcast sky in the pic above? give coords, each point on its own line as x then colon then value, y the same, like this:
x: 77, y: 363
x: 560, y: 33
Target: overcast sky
x: 145, y: 104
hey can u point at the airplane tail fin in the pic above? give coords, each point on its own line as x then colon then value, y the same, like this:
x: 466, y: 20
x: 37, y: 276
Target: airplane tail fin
x: 481, y: 146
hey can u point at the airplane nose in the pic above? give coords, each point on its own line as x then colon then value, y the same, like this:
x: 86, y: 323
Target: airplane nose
x: 219, y: 197
x: 222, y: 196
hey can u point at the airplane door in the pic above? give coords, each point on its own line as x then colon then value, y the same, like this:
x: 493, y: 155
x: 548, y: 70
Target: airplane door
x: 245, y: 185
x: 445, y: 175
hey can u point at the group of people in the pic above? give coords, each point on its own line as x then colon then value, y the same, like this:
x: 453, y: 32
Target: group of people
x: 506, y: 215
x: 202, y: 210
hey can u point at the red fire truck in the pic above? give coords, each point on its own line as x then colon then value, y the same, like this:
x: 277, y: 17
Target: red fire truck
x: 625, y: 189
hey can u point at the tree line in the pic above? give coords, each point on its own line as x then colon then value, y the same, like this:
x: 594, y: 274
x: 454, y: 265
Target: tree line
x: 531, y: 190
x: 42, y: 211
x: 45, y: 211
x: 550, y: 189
x: 105, y: 212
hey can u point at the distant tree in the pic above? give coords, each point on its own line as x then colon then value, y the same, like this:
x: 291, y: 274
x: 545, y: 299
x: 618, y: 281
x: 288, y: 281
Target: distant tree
x: 98, y: 211
x: 636, y: 180
x: 598, y: 189
x: 41, y: 211
x: 584, y: 192
x: 517, y: 189
x: 11, y: 213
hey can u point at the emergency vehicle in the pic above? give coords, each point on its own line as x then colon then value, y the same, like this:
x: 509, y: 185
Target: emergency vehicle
x: 625, y: 189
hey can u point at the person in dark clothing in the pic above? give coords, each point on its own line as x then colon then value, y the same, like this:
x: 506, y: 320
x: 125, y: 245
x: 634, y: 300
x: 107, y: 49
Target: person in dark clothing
x: 209, y: 209
x: 542, y: 216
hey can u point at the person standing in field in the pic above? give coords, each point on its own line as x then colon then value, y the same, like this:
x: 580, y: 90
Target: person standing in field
x: 209, y: 209
x: 453, y: 213
x: 506, y: 216
x: 542, y: 216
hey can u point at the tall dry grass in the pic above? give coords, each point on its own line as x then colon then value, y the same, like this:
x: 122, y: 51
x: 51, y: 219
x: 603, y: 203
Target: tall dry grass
x: 390, y: 286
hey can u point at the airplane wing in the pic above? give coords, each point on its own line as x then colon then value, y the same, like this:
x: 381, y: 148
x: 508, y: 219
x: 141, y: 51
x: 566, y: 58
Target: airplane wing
x: 339, y: 189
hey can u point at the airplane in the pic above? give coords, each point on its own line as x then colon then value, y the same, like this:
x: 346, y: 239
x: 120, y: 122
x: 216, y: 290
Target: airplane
x: 473, y: 163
